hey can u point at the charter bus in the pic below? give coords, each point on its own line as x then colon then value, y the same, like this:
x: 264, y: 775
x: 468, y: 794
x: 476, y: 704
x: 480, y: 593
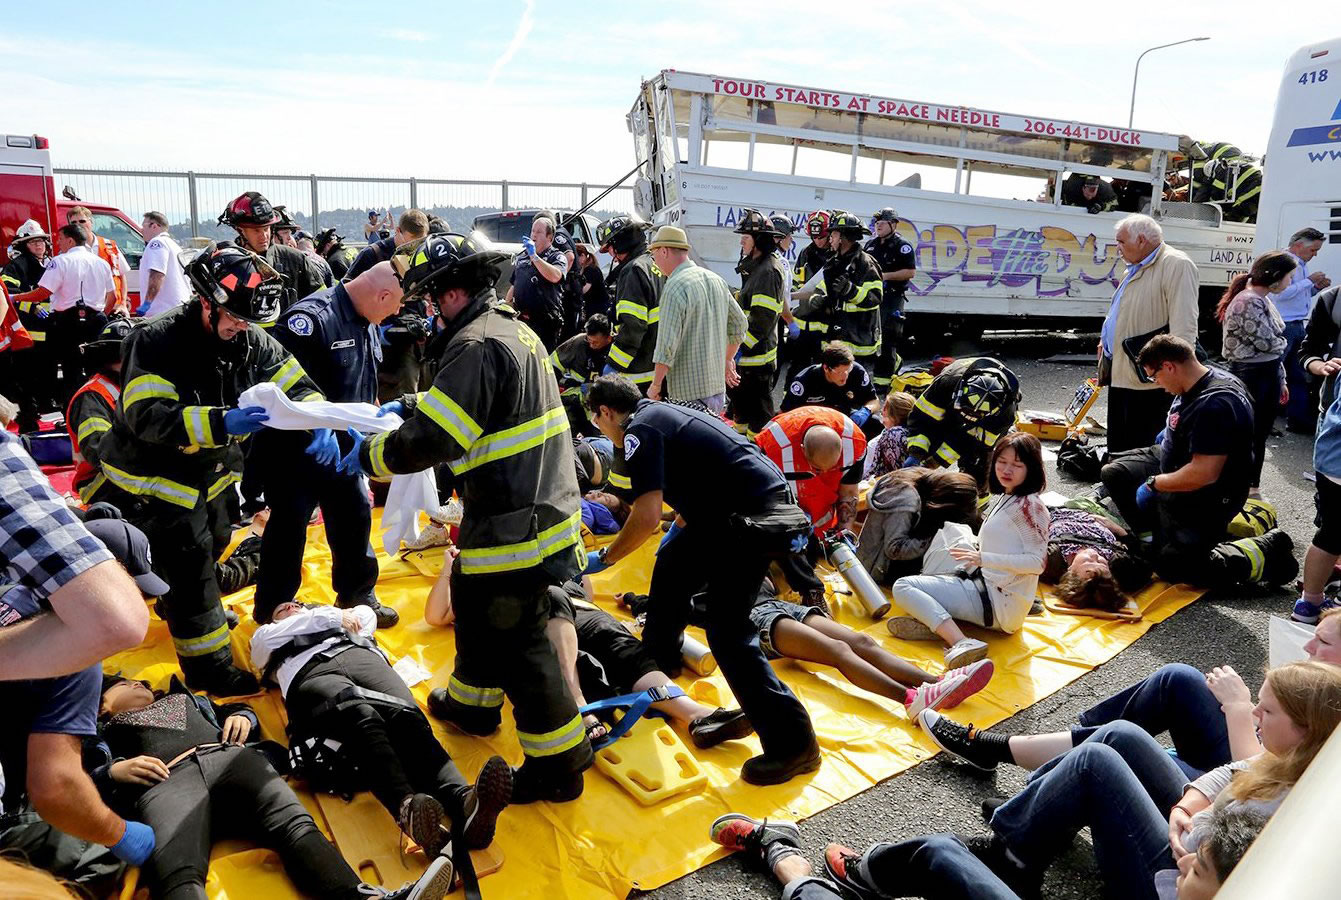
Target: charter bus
x: 978, y: 192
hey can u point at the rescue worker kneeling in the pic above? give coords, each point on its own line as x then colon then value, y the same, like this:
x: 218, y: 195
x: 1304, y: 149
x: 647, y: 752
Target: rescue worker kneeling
x: 494, y: 415
x: 961, y: 415
x: 340, y: 691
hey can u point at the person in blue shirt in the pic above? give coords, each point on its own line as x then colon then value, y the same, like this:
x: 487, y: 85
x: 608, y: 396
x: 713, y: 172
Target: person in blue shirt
x: 1294, y: 304
x: 333, y: 335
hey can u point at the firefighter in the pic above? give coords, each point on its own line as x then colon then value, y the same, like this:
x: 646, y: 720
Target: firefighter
x: 172, y: 451
x: 32, y: 371
x: 330, y: 247
x: 853, y: 285
x: 494, y: 412
x: 637, y: 292
x: 1090, y: 192
x: 89, y: 416
x: 810, y: 331
x: 1239, y: 179
x: 898, y: 264
x: 961, y: 415
x: 577, y: 362
x: 760, y: 297
x: 252, y: 216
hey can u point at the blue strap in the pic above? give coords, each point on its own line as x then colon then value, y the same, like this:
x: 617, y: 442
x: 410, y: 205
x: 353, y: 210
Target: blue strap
x: 635, y: 705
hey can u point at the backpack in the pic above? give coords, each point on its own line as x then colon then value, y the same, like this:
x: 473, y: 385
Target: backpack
x: 1255, y: 519
x: 1078, y: 459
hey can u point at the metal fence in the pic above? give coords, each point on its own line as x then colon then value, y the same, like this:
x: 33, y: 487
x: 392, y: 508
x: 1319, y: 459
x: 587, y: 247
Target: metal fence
x: 192, y: 201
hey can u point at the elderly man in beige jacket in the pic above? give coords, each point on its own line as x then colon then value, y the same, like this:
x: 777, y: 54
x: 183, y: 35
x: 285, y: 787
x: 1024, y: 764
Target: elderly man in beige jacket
x: 1158, y: 294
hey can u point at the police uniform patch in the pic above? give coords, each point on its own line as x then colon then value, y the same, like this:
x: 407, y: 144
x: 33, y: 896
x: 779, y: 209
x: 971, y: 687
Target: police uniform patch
x: 630, y: 446
x: 300, y: 324
x: 905, y: 248
x: 797, y: 388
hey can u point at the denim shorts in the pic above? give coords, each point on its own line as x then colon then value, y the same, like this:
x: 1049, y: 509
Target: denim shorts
x: 766, y: 614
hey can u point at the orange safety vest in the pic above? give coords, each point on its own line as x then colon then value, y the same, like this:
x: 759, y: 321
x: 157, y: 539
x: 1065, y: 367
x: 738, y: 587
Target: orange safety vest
x: 13, y: 336
x: 781, y: 441
x: 109, y: 253
x: 109, y: 391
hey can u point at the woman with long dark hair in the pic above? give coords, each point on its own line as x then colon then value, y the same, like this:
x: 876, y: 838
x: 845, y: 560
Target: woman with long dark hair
x: 906, y: 509
x: 1254, y: 343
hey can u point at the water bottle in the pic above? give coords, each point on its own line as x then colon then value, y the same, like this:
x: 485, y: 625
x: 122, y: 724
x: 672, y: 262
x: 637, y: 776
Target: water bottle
x: 694, y: 653
x: 854, y: 573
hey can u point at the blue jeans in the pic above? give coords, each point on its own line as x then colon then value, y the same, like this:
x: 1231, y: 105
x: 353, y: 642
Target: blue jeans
x: 1300, y: 409
x: 934, y: 866
x: 1121, y: 784
x: 1174, y: 699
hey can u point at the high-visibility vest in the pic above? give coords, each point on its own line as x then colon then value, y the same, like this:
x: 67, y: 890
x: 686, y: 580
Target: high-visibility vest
x: 110, y: 391
x: 782, y: 440
x: 109, y: 253
x: 13, y: 336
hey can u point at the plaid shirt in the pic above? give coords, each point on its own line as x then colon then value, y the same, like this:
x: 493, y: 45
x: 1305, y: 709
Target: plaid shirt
x: 42, y: 544
x: 699, y: 320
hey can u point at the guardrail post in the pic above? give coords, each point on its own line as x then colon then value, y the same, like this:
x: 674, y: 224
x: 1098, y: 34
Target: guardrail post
x: 191, y: 197
x: 504, y: 184
x: 584, y: 193
x: 315, y: 226
x: 414, y: 194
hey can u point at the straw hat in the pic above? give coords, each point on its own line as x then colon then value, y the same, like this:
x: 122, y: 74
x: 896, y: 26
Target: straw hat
x: 669, y: 236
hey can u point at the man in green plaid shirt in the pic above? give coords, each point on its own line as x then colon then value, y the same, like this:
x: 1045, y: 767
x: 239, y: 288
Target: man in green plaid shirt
x: 701, y: 328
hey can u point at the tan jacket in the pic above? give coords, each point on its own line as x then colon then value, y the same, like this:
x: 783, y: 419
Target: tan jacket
x: 1163, y: 293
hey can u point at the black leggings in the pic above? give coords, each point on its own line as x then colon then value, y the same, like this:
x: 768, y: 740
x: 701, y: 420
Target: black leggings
x: 233, y: 792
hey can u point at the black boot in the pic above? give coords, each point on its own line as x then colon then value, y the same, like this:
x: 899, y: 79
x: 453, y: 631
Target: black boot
x: 386, y: 616
x: 718, y: 726
x: 765, y: 769
x: 441, y: 707
x: 483, y: 802
x: 528, y: 786
x: 220, y: 680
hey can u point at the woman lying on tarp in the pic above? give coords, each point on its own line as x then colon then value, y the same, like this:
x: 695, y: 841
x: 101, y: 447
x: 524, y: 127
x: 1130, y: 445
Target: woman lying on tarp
x: 1092, y: 559
x: 182, y: 765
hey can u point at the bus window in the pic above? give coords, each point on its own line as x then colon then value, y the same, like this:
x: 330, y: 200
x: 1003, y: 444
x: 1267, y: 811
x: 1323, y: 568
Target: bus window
x: 1012, y: 144
x: 726, y: 149
x: 793, y: 115
x: 911, y: 132
x: 724, y: 107
x: 1107, y: 155
x: 831, y: 161
x: 1009, y: 183
x: 927, y: 173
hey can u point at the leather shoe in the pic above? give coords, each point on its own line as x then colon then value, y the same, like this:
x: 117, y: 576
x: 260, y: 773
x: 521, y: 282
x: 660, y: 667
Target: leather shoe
x: 764, y: 769
x: 718, y: 726
x: 225, y: 682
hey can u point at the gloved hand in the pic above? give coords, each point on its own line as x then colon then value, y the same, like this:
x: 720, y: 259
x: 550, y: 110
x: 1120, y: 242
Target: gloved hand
x: 1094, y: 209
x: 911, y: 462
x: 135, y: 845
x: 245, y: 421
x: 839, y: 287
x: 609, y: 370
x: 390, y: 407
x: 1159, y: 438
x: 529, y: 246
x: 381, y: 334
x: 323, y: 448
x: 670, y: 535
x: 793, y: 331
x: 860, y: 416
x: 42, y: 310
x: 350, y: 464
x: 595, y: 563
x: 1145, y: 495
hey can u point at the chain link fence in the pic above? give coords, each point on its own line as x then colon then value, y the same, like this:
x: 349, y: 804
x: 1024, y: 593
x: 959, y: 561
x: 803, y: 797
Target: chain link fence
x: 192, y: 201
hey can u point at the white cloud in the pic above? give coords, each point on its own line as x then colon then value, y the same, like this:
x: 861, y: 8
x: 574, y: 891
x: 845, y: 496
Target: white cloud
x: 524, y: 26
x: 408, y: 35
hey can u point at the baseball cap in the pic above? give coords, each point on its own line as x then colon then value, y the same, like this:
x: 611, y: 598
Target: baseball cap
x: 131, y: 548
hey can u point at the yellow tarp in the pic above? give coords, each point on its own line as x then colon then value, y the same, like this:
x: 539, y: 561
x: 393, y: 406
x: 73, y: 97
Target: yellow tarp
x: 607, y: 843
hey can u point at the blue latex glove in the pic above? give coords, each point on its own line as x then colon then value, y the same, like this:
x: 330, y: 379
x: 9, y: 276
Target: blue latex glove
x: 609, y: 370
x: 381, y: 335
x: 350, y: 464
x: 739, y: 353
x: 793, y: 331
x: 245, y: 421
x: 670, y: 535
x: 860, y: 415
x: 800, y: 542
x: 529, y: 246
x: 41, y: 310
x: 1145, y: 495
x: 323, y: 448
x: 392, y: 406
x: 910, y: 462
x: 1159, y: 438
x: 135, y: 845
x: 595, y: 563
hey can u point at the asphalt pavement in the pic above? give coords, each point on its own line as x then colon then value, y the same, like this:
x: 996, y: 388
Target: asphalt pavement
x: 942, y: 795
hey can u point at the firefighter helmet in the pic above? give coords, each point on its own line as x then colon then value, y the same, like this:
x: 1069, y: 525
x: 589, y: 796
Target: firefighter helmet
x: 753, y: 222
x: 982, y: 394
x: 285, y: 220
x: 782, y: 224
x: 817, y: 224
x: 623, y: 233
x: 440, y: 261
x: 327, y: 236
x: 848, y: 225
x: 106, y: 347
x: 29, y: 231
x: 249, y: 209
x: 237, y: 281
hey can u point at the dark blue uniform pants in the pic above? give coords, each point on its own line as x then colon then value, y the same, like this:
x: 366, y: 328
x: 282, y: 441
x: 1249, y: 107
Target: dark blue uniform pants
x: 730, y: 566
x: 295, y: 486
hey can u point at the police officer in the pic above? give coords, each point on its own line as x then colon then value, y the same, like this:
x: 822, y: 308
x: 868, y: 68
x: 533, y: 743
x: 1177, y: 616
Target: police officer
x: 760, y: 297
x: 572, y: 282
x: 173, y: 447
x: 31, y: 371
x: 961, y: 415
x: 838, y: 382
x: 811, y: 325
x: 898, y: 264
x: 637, y: 293
x: 577, y: 362
x: 333, y: 335
x: 330, y: 247
x: 854, y: 288
x: 494, y: 412
x: 739, y: 514
x: 89, y: 416
x: 539, y: 273
x: 252, y: 216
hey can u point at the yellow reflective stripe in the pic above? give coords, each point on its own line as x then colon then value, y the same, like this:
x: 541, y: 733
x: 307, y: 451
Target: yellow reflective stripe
x: 448, y: 415
x: 639, y: 377
x: 929, y: 408
x: 862, y: 349
x: 861, y: 295
x: 377, y: 455
x: 206, y: 643
x: 164, y: 489
x: 986, y: 437
x: 1256, y: 559
x: 815, y: 326
x: 766, y: 302
x: 750, y: 340
x: 524, y: 554
x: 514, y: 440
x: 631, y: 308
x: 620, y: 357
x: 919, y: 442
x: 224, y: 482
x: 762, y: 359
x: 469, y: 695
x: 621, y: 481
x: 147, y: 387
x: 90, y: 426
x: 308, y: 398
x: 552, y: 743
x: 10, y: 279
x: 288, y: 374
x: 87, y: 491
x: 37, y: 335
x: 882, y: 380
x: 197, y: 419
x: 947, y: 453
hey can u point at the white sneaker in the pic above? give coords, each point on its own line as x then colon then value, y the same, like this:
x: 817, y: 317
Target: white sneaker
x: 447, y: 514
x: 953, y: 688
x: 434, y: 535
x: 969, y: 650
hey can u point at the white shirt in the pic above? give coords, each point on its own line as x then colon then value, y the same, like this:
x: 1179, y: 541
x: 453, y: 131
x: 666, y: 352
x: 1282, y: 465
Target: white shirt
x: 160, y: 255
x: 75, y: 275
x: 269, y: 638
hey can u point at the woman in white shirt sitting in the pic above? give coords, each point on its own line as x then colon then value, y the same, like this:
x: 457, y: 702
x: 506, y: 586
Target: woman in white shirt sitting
x: 996, y: 583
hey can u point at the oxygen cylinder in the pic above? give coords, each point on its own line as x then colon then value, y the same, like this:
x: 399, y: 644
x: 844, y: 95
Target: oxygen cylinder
x: 854, y: 573
x: 695, y: 654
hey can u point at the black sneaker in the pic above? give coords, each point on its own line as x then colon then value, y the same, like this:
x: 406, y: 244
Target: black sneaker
x: 483, y: 802
x: 764, y: 769
x: 990, y: 806
x: 421, y: 818
x: 229, y: 681
x: 718, y: 726
x: 434, y: 884
x: 554, y: 788
x: 991, y: 851
x: 954, y: 738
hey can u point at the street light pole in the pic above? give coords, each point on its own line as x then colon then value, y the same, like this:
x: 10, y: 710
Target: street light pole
x: 1132, y: 113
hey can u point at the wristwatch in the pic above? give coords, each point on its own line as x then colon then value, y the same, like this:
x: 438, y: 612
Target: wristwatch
x: 1149, y: 482
x: 600, y: 554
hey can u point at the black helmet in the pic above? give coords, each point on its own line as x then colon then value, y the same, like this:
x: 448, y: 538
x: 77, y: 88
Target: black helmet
x: 782, y: 224
x: 285, y: 220
x: 623, y: 233
x: 887, y: 214
x: 106, y: 347
x: 848, y: 225
x: 326, y: 236
x: 238, y: 281
x: 249, y: 209
x: 982, y: 394
x: 440, y: 261
x: 753, y: 222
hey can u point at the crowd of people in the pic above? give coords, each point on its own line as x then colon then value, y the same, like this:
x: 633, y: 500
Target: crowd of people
x: 569, y: 422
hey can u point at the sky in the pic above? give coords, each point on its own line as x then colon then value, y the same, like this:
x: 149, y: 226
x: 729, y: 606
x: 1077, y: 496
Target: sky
x: 537, y: 89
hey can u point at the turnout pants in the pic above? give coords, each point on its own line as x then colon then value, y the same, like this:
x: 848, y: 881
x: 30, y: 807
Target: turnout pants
x: 66, y: 330
x: 295, y: 485
x: 233, y: 791
x: 395, y: 748
x: 891, y: 335
x: 752, y: 399
x: 502, y: 650
x: 30, y: 381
